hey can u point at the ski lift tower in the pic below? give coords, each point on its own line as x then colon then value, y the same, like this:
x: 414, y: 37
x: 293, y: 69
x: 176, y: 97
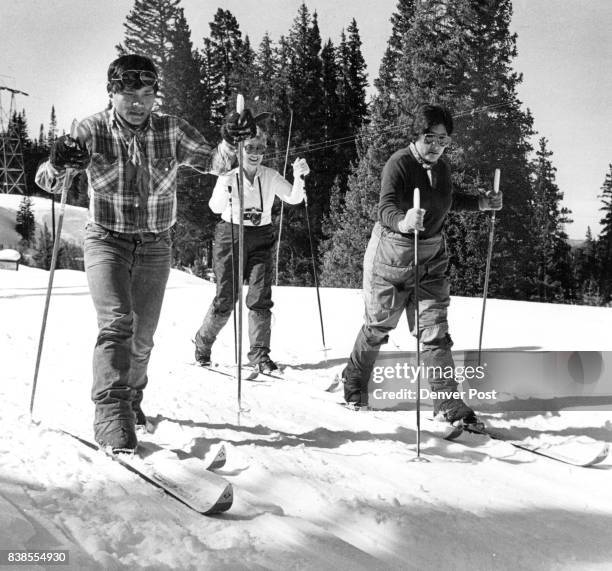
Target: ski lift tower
x: 12, y: 172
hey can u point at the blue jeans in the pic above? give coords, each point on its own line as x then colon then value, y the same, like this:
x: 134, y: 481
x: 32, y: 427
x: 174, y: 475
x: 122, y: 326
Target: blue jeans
x: 388, y: 291
x: 127, y: 276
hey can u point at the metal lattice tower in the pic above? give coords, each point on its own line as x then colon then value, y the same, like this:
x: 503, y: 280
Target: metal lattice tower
x: 12, y: 172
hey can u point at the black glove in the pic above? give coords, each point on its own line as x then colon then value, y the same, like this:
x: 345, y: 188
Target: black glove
x: 238, y: 127
x: 67, y: 152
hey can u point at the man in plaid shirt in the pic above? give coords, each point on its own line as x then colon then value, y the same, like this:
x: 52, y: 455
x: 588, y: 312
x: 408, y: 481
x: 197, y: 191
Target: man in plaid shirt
x: 131, y: 156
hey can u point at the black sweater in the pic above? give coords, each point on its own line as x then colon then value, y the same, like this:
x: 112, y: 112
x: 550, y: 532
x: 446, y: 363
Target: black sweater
x: 401, y: 175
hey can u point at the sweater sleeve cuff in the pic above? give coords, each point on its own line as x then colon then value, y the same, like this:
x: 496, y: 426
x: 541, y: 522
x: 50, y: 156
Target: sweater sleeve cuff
x: 394, y: 222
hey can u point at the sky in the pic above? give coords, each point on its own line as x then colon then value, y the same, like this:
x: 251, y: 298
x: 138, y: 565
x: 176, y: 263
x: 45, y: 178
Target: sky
x: 58, y: 52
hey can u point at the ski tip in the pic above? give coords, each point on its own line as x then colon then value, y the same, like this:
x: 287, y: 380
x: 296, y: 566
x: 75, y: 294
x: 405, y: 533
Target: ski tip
x: 224, y: 503
x: 605, y: 451
x: 334, y: 385
x: 219, y: 460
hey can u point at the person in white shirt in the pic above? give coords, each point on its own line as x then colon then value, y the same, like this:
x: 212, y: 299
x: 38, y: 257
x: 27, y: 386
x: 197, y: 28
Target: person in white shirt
x: 261, y: 185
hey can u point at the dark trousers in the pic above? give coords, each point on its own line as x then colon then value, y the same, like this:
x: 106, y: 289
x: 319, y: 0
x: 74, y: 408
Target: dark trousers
x: 388, y: 291
x: 127, y: 276
x: 258, y: 270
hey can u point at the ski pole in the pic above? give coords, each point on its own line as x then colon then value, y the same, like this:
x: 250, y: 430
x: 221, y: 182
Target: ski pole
x: 229, y: 188
x: 239, y: 109
x: 280, y: 226
x: 416, y: 203
x: 314, y: 269
x: 488, y: 266
x: 68, y: 177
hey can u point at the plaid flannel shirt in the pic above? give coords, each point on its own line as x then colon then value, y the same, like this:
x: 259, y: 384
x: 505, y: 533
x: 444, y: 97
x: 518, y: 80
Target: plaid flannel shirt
x: 114, y: 201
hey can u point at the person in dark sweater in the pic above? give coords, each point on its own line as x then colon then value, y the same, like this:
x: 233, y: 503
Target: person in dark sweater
x: 388, y: 267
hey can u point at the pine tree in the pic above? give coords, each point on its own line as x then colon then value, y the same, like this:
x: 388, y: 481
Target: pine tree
x: 25, y: 222
x: 495, y: 135
x: 552, y: 251
x: 333, y: 115
x: 267, y: 70
x: 351, y: 109
x: 148, y: 31
x: 349, y: 224
x: 18, y: 125
x: 244, y: 78
x: 401, y: 21
x: 303, y: 68
x: 355, y: 77
x: 52, y: 132
x: 222, y: 51
x: 44, y: 249
x: 184, y: 94
x: 42, y: 141
x: 305, y: 71
x: 348, y: 229
x: 586, y: 270
x: 604, y: 243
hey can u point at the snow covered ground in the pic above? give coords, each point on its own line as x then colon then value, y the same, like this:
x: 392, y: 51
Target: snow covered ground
x: 316, y: 486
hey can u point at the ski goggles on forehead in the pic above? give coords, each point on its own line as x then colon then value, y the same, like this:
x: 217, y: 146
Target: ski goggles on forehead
x: 136, y: 77
x: 431, y: 138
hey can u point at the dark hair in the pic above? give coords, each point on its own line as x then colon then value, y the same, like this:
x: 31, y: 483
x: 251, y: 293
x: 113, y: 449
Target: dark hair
x: 123, y: 63
x: 429, y: 115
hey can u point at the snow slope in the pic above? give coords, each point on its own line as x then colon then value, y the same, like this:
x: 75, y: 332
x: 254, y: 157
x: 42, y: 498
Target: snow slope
x: 73, y: 228
x: 316, y: 486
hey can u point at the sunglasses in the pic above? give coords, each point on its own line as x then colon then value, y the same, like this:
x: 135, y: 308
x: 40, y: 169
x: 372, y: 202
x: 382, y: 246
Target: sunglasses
x: 255, y: 149
x: 135, y: 77
x: 431, y: 138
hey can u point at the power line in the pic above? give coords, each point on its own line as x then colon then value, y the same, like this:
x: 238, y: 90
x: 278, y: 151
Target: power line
x: 325, y: 144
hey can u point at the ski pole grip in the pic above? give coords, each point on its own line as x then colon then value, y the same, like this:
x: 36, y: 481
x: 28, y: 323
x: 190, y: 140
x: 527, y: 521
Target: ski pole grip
x: 74, y: 128
x: 416, y: 198
x: 240, y: 103
x: 496, y: 181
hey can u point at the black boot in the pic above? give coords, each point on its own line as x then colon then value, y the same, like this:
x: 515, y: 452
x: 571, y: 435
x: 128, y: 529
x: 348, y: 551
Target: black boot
x: 266, y: 365
x: 353, y: 394
x: 453, y: 409
x: 202, y: 352
x: 117, y: 434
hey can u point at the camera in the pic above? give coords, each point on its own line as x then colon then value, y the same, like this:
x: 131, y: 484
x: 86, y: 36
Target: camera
x: 253, y: 215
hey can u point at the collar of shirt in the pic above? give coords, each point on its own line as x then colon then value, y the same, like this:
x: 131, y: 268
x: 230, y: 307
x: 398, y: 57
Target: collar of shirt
x: 259, y: 172
x: 427, y: 166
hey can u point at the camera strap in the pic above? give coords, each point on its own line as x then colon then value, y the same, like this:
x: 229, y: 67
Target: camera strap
x: 260, y: 194
x: 261, y: 204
